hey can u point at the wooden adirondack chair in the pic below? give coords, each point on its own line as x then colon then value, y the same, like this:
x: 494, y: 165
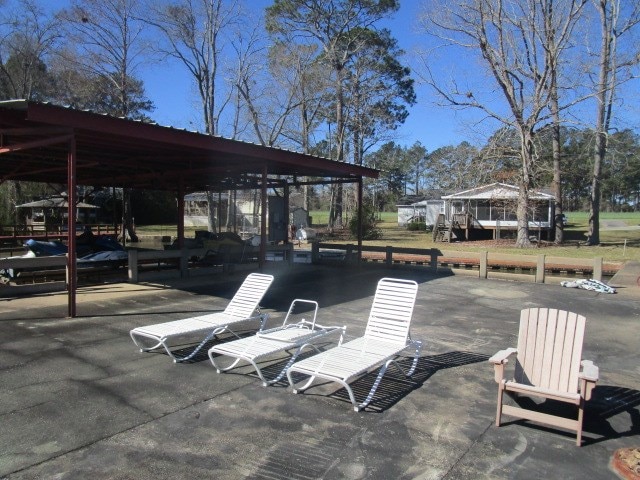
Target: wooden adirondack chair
x: 548, y: 365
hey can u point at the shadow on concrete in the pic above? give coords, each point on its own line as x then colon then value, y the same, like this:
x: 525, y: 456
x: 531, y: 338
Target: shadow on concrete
x: 395, y: 385
x: 603, y: 414
x: 604, y: 409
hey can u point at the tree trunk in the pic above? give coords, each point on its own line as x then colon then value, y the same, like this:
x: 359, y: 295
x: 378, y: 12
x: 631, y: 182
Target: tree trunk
x: 129, y: 227
x: 522, y: 209
x: 340, y: 131
x: 211, y: 215
x: 605, y: 86
x: 555, y: 147
x: 231, y: 210
x: 593, y: 235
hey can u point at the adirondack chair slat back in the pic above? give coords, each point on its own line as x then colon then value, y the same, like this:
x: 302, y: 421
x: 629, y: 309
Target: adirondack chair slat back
x: 248, y: 296
x: 550, y: 349
x: 392, y: 309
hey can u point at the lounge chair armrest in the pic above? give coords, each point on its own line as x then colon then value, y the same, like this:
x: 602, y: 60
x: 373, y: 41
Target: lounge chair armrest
x: 502, y: 355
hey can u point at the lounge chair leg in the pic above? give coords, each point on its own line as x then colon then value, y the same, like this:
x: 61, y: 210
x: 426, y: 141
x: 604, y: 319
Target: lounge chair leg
x: 415, y: 358
x: 289, y: 363
x: 374, y: 387
x: 220, y: 368
x: 199, y: 347
x: 303, y: 387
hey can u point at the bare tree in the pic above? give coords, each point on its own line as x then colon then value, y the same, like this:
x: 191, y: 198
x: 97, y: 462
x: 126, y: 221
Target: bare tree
x: 511, y: 39
x: 28, y: 39
x: 194, y: 32
x: 554, y: 39
x: 340, y: 28
x: 269, y: 97
x: 617, y: 19
x: 105, y: 41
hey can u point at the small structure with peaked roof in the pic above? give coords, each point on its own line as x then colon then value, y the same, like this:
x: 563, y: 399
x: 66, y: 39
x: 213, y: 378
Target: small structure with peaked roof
x: 40, y: 214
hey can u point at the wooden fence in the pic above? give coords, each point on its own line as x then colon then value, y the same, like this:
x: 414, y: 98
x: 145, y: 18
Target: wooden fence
x: 171, y: 263
x: 484, y: 264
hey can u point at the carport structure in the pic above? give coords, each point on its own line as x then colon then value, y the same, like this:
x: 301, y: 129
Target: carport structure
x: 42, y: 142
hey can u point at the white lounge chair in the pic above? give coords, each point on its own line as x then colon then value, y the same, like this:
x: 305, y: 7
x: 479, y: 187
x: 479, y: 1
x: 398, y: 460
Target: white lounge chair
x: 242, y: 308
x: 548, y: 365
x: 386, y: 336
x: 291, y: 335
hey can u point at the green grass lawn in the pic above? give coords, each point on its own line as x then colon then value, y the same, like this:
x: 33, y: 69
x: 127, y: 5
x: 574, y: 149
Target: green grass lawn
x: 617, y: 245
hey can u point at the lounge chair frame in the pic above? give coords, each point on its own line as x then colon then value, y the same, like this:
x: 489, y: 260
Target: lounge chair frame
x: 386, y: 338
x: 548, y: 365
x: 242, y: 309
x: 296, y: 337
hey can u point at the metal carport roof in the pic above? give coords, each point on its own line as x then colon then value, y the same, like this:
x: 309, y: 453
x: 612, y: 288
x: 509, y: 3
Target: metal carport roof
x: 112, y: 151
x: 41, y: 142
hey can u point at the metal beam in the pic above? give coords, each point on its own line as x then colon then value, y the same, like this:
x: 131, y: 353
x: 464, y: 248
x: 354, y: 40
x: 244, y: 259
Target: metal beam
x: 43, y: 142
x: 72, y: 277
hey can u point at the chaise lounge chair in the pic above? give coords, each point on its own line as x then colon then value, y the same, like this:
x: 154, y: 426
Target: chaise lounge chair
x: 548, y: 365
x: 242, y: 308
x: 291, y: 335
x: 386, y: 336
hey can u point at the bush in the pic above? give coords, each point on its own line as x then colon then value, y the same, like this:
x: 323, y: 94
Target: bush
x: 370, y: 231
x: 415, y: 226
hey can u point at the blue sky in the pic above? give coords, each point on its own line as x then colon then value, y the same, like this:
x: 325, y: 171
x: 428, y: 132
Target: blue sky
x: 171, y: 89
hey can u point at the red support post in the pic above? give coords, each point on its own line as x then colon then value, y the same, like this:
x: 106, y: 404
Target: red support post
x: 72, y: 277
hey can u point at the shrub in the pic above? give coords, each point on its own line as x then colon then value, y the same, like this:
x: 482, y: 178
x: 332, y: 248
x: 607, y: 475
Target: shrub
x: 370, y: 231
x: 415, y: 226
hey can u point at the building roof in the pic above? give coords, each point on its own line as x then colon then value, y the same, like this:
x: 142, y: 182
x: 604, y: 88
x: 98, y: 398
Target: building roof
x: 112, y: 151
x: 54, y: 202
x: 496, y: 191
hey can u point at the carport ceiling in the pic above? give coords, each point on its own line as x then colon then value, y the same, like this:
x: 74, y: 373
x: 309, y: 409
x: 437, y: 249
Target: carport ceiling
x: 35, y: 142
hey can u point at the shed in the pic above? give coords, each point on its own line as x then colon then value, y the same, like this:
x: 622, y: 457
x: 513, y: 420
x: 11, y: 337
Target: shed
x: 426, y: 211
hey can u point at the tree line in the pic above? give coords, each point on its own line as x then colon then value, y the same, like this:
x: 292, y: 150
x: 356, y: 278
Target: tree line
x: 413, y: 172
x: 326, y: 78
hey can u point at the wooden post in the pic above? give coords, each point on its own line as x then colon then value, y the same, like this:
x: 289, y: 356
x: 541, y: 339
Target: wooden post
x: 389, y: 255
x: 184, y: 263
x: 288, y: 252
x: 540, y: 269
x: 484, y: 255
x: 348, y: 253
x: 434, y: 260
x: 597, y: 268
x: 133, y: 265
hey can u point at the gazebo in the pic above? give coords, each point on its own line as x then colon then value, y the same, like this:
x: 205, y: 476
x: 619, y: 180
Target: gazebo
x: 39, y: 212
x: 42, y: 142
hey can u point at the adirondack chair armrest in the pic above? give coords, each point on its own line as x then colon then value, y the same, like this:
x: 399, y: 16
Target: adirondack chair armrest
x: 499, y: 360
x: 590, y: 372
x: 502, y: 356
x: 588, y: 378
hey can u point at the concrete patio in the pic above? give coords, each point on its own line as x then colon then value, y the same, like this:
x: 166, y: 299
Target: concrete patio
x: 78, y: 400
